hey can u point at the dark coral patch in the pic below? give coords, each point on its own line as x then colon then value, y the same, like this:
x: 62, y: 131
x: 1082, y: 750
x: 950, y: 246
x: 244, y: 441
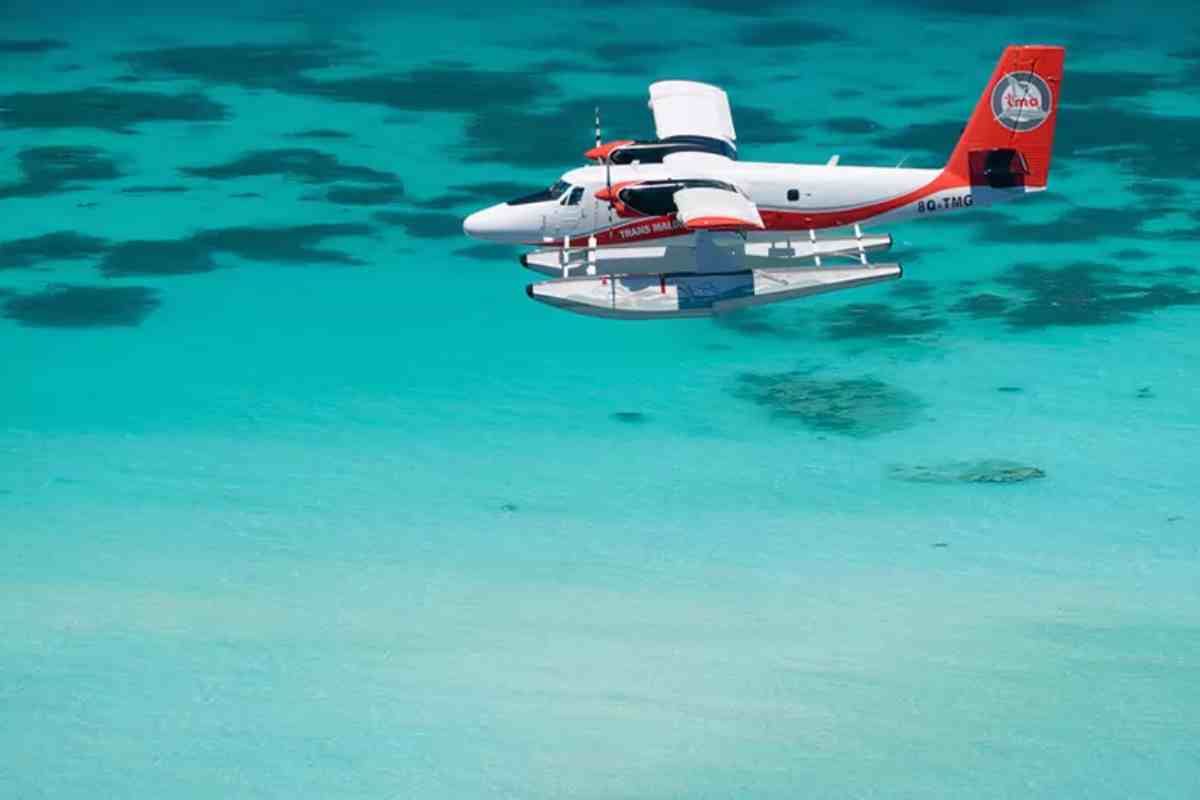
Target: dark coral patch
x: 875, y: 320
x: 1086, y: 293
x: 159, y: 257
x: 50, y: 247
x: 520, y: 136
x: 1131, y: 254
x: 990, y: 470
x: 981, y: 306
x: 926, y: 100
x: 754, y: 322
x: 320, y: 133
x: 762, y: 126
x: 761, y: 8
x: 443, y: 202
x: 105, y: 109
x: 788, y: 33
x: 630, y: 417
x: 67, y: 306
x: 1078, y: 224
x: 985, y: 8
x: 627, y: 52
x: 1141, y: 142
x: 296, y: 244
x: 54, y: 169
x: 32, y: 46
x: 930, y: 142
x: 434, y: 88
x: 302, y: 164
x: 365, y: 195
x: 250, y: 65
x: 495, y: 191
x: 1156, y: 189
x: 475, y: 195
x: 1091, y: 87
x: 424, y: 224
x: 850, y: 125
x: 154, y: 189
x: 849, y: 406
x: 980, y: 217
x: 912, y: 289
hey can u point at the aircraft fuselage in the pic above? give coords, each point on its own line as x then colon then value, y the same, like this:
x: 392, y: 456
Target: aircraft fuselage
x: 790, y: 198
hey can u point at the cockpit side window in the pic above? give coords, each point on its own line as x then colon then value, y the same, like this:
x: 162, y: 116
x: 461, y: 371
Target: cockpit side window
x: 576, y: 196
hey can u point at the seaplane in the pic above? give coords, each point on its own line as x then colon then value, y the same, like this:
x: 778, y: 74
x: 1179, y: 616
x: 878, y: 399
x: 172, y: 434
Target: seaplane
x: 678, y: 226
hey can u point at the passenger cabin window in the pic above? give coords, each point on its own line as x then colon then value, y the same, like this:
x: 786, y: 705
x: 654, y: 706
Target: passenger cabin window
x: 793, y: 195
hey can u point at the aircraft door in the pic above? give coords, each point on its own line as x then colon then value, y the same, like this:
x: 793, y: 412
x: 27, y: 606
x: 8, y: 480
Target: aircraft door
x: 566, y: 217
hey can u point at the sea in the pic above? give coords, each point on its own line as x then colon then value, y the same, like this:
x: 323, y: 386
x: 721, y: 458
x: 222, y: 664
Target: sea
x: 302, y: 497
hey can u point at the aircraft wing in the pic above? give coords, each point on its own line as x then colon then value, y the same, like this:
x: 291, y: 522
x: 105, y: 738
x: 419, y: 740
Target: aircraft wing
x: 688, y: 108
x: 702, y: 208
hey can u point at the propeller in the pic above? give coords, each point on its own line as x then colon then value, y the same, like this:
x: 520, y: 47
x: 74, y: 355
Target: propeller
x: 565, y: 253
x: 607, y: 170
x: 591, y: 251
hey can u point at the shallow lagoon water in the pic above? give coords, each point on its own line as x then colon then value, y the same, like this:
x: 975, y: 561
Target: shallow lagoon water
x: 333, y: 510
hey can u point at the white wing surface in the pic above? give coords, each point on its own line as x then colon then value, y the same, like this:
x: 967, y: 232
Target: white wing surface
x: 688, y: 108
x: 716, y: 209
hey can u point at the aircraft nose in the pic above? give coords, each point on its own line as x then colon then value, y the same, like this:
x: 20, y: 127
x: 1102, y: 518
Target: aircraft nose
x: 485, y: 224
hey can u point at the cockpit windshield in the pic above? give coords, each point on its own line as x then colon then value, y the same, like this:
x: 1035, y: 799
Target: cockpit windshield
x: 552, y: 193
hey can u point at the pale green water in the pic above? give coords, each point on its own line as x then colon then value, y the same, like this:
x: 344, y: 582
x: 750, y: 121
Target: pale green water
x: 361, y: 523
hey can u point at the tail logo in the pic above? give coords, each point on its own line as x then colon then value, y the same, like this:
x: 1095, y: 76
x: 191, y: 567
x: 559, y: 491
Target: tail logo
x: 1022, y: 101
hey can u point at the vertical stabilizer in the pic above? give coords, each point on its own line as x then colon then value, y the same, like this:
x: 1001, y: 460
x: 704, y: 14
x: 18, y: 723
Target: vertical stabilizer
x: 1007, y: 141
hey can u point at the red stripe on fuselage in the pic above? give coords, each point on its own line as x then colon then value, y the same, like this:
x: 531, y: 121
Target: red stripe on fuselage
x: 812, y: 220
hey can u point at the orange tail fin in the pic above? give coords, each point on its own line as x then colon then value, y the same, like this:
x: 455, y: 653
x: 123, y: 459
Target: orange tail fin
x: 1008, y: 139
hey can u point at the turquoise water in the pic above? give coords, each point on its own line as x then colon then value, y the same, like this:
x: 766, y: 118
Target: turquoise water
x: 301, y: 496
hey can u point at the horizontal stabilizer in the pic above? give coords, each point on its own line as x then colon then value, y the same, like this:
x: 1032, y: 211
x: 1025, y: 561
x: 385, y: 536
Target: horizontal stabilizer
x: 693, y: 294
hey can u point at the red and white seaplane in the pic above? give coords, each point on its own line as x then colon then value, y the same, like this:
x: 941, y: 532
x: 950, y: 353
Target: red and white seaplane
x: 679, y: 227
